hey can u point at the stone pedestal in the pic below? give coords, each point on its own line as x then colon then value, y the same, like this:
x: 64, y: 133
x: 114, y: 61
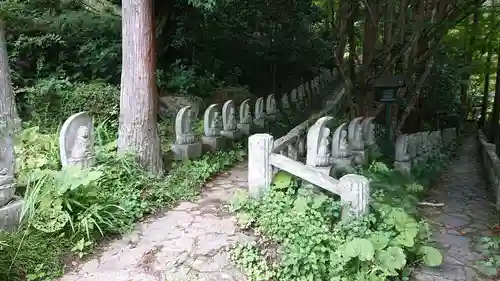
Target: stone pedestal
x: 82, y: 162
x: 187, y: 151
x: 246, y: 129
x: 342, y: 162
x: 10, y: 214
x: 342, y: 166
x: 213, y: 143
x: 232, y: 135
x: 272, y: 117
x: 260, y: 123
x: 404, y: 167
x: 359, y: 157
x: 6, y: 193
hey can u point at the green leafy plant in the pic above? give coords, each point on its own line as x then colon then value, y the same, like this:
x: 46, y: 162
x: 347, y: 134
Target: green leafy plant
x: 312, y: 243
x: 69, y: 210
x: 490, y: 249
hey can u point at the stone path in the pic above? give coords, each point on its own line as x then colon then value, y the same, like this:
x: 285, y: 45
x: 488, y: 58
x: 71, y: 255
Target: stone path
x: 187, y: 243
x: 468, y: 214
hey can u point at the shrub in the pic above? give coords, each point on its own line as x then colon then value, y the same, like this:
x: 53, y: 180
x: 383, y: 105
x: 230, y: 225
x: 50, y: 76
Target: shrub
x: 184, y: 79
x: 70, y: 210
x: 302, y: 236
x: 51, y: 101
x: 61, y: 37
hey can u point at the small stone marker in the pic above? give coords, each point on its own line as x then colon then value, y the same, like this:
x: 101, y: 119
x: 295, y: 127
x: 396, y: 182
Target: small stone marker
x: 230, y: 125
x: 212, y: 127
x: 318, y: 146
x: 355, y: 139
x: 187, y: 145
x: 260, y: 116
x: 402, y: 156
x: 10, y: 205
x: 271, y: 109
x: 340, y: 148
x: 76, y: 141
x: 245, y: 122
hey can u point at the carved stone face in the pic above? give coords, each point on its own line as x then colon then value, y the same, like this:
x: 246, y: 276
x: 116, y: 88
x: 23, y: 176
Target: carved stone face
x: 343, y: 136
x: 82, y: 132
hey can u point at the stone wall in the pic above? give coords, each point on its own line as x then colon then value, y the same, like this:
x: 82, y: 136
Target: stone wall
x: 491, y: 165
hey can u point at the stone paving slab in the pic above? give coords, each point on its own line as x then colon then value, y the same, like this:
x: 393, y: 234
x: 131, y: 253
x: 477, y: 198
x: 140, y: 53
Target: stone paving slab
x: 187, y: 243
x: 467, y: 216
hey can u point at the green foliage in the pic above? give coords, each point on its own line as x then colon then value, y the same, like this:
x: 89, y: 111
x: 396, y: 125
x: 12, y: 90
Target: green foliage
x: 312, y: 243
x: 73, y: 209
x: 490, y: 249
x: 47, y: 38
x: 184, y: 80
x: 51, y: 101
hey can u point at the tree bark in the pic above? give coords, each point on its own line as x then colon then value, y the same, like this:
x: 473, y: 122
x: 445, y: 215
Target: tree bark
x: 495, y: 116
x: 138, y: 131
x: 484, y: 106
x: 486, y: 89
x: 370, y: 44
x: 9, y: 119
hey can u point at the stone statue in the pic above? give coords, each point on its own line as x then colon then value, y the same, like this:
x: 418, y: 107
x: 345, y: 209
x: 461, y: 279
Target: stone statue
x: 368, y: 131
x: 260, y: 117
x: 212, y: 121
x: 232, y: 119
x: 323, y: 157
x: 355, y: 135
x: 183, y: 132
x: 212, y: 125
x: 229, y: 121
x: 301, y: 92
x: 187, y: 145
x: 7, y: 161
x: 285, y: 103
x: 403, y: 159
x: 245, y: 124
x: 293, y: 95
x: 340, y: 148
x: 245, y: 116
x: 76, y: 141
x: 318, y: 150
x: 228, y: 116
x: 358, y: 138
x: 271, y: 110
x: 259, y: 108
x: 81, y: 150
x: 402, y: 150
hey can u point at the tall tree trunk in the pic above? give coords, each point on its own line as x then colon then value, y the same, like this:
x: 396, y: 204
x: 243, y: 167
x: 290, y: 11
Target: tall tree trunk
x: 370, y: 44
x: 9, y: 120
x: 138, y: 130
x: 486, y: 89
x: 495, y: 116
x: 8, y: 111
